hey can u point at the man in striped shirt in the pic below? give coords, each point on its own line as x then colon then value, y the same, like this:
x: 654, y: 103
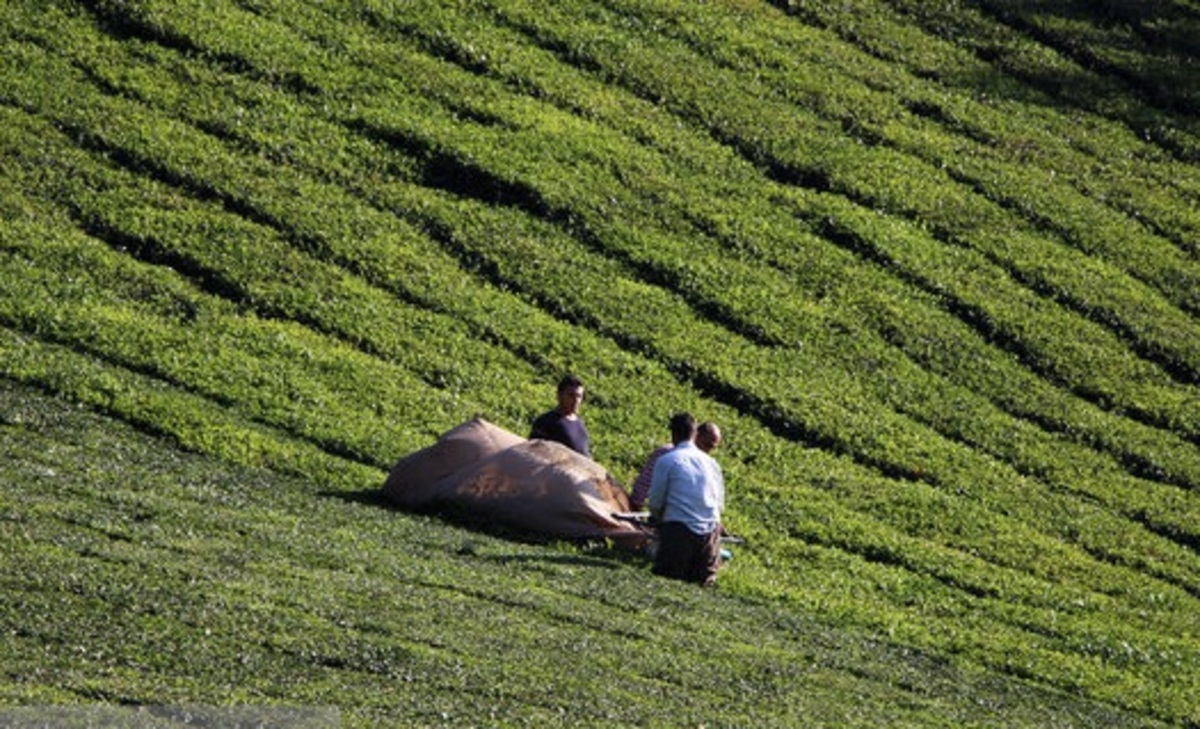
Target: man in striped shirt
x: 708, y: 437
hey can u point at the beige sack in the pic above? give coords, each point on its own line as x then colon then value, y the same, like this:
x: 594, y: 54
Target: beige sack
x: 535, y: 485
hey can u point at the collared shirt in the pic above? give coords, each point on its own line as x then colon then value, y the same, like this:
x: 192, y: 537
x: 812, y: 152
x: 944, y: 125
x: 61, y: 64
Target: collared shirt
x: 688, y: 487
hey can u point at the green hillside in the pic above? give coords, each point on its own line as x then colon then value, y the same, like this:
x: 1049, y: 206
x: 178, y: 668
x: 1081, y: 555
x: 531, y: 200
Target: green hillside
x: 934, y: 268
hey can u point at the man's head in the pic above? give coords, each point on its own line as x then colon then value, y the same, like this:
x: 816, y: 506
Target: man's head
x: 708, y: 436
x: 683, y: 428
x: 570, y: 395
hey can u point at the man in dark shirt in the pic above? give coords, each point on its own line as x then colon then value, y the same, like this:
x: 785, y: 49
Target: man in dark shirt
x: 563, y: 424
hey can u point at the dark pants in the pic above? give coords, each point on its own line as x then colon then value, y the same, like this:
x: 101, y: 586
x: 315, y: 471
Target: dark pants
x: 684, y: 555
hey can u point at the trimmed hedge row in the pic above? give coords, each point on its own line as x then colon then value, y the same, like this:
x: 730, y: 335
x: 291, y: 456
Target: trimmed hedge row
x: 256, y: 221
x: 888, y: 179
x: 969, y: 46
x: 878, y: 103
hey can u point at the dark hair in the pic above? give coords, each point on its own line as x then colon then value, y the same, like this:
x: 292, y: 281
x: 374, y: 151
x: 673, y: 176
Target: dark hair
x: 569, y: 382
x: 683, y: 427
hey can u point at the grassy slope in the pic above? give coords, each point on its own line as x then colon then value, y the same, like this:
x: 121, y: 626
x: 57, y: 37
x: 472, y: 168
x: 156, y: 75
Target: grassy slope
x: 143, y: 574
x: 943, y: 301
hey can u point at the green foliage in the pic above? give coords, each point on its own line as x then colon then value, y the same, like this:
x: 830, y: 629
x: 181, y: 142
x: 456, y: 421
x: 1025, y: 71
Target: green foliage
x: 949, y: 327
x: 143, y: 574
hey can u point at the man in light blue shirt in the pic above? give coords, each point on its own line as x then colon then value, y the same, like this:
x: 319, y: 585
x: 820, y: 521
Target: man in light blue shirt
x: 687, y: 495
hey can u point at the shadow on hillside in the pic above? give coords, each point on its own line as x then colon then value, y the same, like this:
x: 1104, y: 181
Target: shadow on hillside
x: 592, y: 552
x: 569, y: 560
x: 1153, y: 46
x: 1118, y: 51
x: 1134, y: 61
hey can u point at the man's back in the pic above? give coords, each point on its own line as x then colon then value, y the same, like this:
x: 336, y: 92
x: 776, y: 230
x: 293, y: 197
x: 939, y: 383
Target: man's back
x: 688, y: 487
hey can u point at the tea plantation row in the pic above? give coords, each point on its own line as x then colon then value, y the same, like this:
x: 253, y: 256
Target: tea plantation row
x: 958, y: 373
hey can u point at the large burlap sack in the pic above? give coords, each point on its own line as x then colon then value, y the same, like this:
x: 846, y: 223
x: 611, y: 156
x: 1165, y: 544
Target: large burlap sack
x: 535, y: 485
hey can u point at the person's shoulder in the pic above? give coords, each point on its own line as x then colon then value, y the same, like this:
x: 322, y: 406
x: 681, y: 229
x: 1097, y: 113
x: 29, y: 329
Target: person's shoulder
x: 665, y: 454
x: 696, y: 454
x: 550, y: 416
x: 675, y: 453
x: 545, y: 425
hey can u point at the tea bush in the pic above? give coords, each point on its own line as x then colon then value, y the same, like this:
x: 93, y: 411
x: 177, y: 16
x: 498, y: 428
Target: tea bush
x: 950, y: 332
